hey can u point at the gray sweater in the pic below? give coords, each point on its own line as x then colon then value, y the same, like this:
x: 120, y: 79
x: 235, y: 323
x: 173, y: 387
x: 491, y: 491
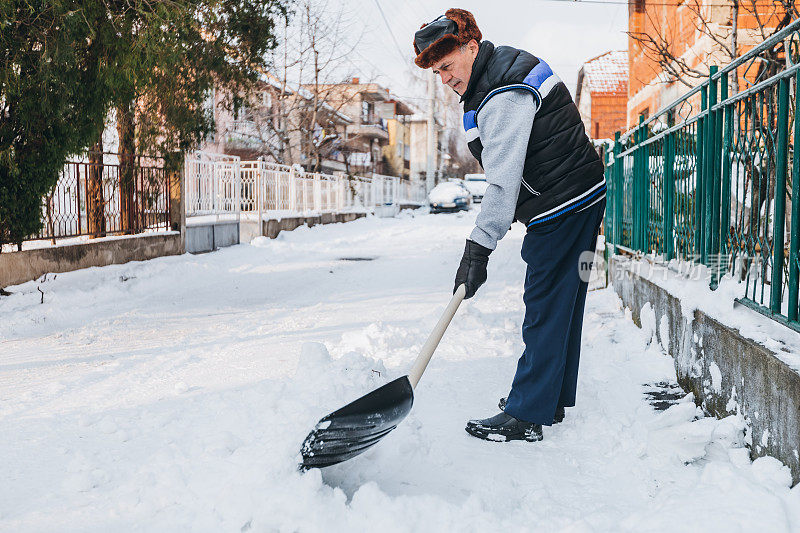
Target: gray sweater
x: 504, y: 125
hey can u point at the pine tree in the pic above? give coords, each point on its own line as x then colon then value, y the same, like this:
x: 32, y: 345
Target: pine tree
x: 51, y: 104
x: 66, y: 64
x: 209, y: 43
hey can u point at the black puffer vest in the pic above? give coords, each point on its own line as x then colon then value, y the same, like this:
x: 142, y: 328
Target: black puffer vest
x: 562, y: 171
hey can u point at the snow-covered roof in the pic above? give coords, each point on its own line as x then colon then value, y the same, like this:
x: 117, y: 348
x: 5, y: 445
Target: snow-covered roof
x: 275, y: 83
x: 607, y: 73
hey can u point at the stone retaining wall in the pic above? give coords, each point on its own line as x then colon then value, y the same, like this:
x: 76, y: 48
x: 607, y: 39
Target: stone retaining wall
x: 27, y: 265
x: 723, y: 369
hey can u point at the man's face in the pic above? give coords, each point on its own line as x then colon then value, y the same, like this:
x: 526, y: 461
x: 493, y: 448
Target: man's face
x: 456, y: 67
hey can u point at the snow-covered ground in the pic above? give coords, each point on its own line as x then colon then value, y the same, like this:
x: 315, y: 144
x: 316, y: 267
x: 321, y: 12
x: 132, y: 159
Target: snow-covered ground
x: 173, y: 395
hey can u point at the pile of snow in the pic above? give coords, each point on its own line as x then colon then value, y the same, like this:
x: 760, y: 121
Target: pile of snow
x: 174, y: 394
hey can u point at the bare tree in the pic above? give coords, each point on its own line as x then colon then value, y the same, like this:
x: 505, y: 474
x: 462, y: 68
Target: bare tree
x: 659, y: 39
x: 302, y: 119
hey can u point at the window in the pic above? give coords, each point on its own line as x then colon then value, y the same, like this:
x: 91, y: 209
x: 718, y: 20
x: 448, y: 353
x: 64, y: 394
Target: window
x: 367, y: 112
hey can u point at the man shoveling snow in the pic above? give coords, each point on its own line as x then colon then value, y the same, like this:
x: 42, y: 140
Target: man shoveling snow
x: 523, y: 127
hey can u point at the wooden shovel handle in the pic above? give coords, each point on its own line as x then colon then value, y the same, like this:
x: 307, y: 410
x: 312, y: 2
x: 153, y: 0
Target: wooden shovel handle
x: 436, y: 335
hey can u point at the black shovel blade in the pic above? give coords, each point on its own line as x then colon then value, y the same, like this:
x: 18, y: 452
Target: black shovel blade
x: 357, y: 426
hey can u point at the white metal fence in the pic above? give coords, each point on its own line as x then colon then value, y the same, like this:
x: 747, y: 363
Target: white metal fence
x: 225, y: 184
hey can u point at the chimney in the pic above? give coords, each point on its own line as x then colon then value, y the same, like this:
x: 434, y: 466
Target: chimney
x: 354, y: 81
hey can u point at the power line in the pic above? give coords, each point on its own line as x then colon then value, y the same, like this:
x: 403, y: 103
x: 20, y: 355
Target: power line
x: 388, y: 27
x: 642, y: 3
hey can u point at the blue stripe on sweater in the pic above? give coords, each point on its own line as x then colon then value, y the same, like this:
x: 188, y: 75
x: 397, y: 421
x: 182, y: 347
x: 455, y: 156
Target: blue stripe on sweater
x: 469, y: 120
x: 560, y: 212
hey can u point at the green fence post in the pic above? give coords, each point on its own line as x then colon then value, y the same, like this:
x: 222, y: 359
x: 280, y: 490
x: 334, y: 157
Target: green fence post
x: 639, y: 189
x: 794, y: 244
x: 668, y: 191
x: 699, y: 177
x: 635, y: 205
x: 645, y: 193
x: 725, y: 192
x: 619, y: 189
x: 611, y: 205
x: 780, y: 197
x: 709, y: 155
x: 608, y: 216
x: 715, y: 182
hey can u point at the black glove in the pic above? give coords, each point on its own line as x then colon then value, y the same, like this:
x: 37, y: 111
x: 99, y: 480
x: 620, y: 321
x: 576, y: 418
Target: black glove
x: 472, y: 270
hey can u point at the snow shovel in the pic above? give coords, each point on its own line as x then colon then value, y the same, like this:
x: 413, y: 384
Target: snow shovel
x: 361, y: 424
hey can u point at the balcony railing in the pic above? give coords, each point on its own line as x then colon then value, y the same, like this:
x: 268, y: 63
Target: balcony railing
x: 371, y: 127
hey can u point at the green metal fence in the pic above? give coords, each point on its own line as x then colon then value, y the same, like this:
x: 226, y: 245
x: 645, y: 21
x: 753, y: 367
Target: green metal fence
x: 712, y: 177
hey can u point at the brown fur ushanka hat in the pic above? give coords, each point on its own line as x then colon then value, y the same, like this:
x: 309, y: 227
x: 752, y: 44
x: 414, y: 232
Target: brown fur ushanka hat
x: 457, y: 28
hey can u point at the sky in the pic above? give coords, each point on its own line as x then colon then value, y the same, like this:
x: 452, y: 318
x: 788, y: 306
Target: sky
x: 563, y: 33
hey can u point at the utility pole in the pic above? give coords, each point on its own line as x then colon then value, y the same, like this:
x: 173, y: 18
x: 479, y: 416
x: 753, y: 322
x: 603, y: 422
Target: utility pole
x: 431, y: 150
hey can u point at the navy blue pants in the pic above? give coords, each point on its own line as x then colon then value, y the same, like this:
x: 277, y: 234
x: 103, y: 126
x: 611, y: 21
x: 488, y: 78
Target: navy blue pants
x: 555, y: 294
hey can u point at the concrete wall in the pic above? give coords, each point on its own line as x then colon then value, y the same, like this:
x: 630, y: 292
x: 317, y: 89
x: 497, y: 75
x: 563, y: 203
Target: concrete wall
x: 19, y: 267
x: 202, y: 238
x: 718, y: 365
x: 213, y: 235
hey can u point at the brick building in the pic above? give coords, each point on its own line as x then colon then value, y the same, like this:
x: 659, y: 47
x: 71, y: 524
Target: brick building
x: 602, y: 94
x: 691, y: 31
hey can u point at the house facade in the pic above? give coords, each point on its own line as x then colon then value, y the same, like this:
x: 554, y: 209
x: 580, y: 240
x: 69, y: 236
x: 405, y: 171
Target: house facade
x: 697, y: 34
x: 368, y: 145
x: 397, y: 154
x: 279, y: 123
x: 602, y: 94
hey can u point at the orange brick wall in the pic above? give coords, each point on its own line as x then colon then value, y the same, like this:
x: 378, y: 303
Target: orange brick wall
x: 678, y: 23
x: 608, y: 114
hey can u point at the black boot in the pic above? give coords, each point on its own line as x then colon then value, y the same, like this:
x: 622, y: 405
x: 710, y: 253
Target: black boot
x: 503, y: 427
x: 557, y: 419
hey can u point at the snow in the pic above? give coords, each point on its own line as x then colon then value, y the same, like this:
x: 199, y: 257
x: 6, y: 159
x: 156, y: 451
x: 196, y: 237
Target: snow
x: 689, y: 283
x: 174, y: 394
x: 716, y: 377
x: 477, y: 186
x: 200, y: 220
x: 270, y: 214
x: 448, y: 192
x: 607, y: 73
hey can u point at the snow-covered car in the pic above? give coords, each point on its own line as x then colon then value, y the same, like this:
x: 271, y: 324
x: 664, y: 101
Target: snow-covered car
x: 476, y: 183
x: 450, y: 196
